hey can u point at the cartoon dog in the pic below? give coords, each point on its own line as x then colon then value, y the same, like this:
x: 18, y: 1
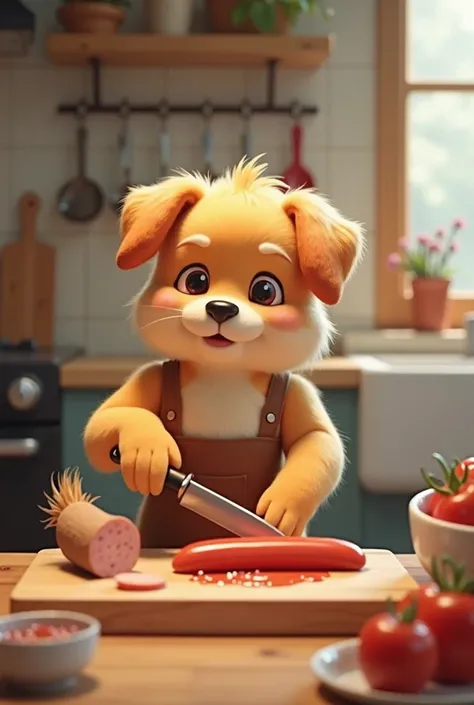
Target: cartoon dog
x: 236, y: 300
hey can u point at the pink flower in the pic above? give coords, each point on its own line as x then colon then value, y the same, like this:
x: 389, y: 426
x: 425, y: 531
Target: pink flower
x: 459, y: 224
x: 423, y: 240
x: 394, y: 260
x: 454, y: 247
x: 440, y: 233
x: 403, y: 243
x: 434, y: 247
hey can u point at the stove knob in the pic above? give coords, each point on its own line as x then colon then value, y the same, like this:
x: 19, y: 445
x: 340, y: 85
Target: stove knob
x: 24, y: 393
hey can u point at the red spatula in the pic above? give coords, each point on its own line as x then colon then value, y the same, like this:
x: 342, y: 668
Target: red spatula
x: 296, y: 176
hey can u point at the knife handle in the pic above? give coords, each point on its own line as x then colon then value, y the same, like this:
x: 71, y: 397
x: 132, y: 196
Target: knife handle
x: 174, y: 479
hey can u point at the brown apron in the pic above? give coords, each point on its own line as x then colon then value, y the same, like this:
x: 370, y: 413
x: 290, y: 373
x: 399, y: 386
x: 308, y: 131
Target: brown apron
x: 241, y: 469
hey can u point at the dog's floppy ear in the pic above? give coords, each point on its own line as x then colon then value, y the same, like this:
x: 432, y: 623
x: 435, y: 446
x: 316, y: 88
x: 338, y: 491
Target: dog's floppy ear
x: 328, y: 245
x: 149, y: 213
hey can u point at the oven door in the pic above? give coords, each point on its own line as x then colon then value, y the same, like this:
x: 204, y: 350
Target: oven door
x: 28, y: 458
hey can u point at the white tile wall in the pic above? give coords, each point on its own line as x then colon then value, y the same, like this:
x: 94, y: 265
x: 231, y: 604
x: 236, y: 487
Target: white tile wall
x: 37, y: 152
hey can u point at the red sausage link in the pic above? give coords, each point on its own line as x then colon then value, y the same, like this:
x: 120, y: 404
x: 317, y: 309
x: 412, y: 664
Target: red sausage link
x: 269, y: 553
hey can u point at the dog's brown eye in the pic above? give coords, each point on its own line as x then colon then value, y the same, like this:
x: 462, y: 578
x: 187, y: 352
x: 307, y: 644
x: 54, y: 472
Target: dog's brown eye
x: 266, y: 290
x: 193, y: 280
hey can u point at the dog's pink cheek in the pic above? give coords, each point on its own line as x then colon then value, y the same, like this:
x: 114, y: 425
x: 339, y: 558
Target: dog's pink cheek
x: 284, y: 318
x: 165, y: 298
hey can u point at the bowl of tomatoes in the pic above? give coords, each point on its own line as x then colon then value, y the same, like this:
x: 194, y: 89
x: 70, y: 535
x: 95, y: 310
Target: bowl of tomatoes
x: 46, y: 650
x: 442, y: 516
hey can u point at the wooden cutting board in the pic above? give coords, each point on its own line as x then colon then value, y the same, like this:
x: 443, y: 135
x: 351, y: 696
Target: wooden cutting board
x: 336, y: 606
x: 27, y: 281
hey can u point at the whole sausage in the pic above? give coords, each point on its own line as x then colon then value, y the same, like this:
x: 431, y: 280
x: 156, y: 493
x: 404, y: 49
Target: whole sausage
x: 269, y: 553
x: 100, y: 543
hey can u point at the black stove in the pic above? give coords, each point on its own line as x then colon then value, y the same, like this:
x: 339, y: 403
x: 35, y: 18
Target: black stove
x: 30, y: 439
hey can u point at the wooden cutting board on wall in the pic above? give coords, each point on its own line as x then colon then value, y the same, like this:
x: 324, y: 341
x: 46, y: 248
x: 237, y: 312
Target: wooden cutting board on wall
x: 338, y: 605
x: 27, y: 281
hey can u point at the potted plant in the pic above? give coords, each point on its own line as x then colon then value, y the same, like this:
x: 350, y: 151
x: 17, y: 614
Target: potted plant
x: 92, y: 16
x: 428, y: 264
x: 260, y: 16
x: 172, y: 17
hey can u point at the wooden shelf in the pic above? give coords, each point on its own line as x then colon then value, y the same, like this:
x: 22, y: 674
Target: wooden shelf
x: 200, y: 50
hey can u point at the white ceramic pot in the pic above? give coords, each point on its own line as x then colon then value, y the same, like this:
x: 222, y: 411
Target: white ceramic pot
x: 172, y: 17
x: 433, y: 538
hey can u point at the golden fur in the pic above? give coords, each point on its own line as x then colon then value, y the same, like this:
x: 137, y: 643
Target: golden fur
x: 243, y: 230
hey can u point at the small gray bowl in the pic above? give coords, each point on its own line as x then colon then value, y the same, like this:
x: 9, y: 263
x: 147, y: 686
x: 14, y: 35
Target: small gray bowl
x: 47, y: 665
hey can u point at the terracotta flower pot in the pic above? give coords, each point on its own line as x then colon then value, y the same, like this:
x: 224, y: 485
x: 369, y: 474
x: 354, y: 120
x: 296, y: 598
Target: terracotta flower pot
x: 90, y: 17
x: 220, y: 18
x: 430, y: 304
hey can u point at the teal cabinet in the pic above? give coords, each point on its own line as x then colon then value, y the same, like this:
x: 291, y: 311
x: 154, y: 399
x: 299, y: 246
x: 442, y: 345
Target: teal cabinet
x: 115, y: 497
x: 371, y: 520
x: 341, y: 516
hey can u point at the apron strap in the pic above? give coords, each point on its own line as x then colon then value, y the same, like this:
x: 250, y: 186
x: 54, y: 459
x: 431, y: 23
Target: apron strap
x: 170, y: 408
x: 273, y: 408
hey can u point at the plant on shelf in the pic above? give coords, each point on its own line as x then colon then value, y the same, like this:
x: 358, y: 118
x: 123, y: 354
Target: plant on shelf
x: 264, y: 16
x: 92, y: 16
x: 428, y: 263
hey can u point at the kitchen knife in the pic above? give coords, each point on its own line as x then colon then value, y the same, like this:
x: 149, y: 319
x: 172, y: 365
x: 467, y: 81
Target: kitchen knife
x: 212, y: 506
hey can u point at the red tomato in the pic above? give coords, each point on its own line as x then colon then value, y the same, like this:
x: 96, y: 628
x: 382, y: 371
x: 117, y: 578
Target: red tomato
x: 427, y: 592
x: 457, y: 508
x: 397, y: 655
x: 433, y: 502
x: 458, y: 476
x: 447, y: 607
x: 450, y: 617
x: 460, y: 469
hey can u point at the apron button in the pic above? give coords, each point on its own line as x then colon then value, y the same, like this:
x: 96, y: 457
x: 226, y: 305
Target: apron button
x: 171, y: 415
x: 271, y: 418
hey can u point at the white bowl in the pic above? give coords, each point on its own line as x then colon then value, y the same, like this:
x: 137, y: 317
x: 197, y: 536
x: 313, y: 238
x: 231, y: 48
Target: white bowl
x: 47, y: 664
x: 435, y: 538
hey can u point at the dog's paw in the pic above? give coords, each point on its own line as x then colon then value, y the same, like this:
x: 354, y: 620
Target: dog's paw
x: 146, y: 454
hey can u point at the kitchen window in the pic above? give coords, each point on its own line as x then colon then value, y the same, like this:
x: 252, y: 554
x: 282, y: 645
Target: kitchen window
x: 425, y: 142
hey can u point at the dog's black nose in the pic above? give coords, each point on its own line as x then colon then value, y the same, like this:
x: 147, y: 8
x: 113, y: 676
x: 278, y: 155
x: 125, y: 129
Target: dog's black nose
x: 221, y: 311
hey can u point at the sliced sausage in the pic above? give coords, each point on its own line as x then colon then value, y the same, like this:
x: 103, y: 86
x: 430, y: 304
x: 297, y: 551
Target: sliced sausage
x: 269, y: 553
x: 139, y: 581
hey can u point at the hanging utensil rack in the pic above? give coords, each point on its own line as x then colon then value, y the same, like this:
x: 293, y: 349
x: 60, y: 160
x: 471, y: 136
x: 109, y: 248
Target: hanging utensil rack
x: 269, y: 107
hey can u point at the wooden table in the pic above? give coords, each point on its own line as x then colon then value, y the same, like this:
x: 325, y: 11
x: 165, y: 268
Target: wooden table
x: 193, y: 671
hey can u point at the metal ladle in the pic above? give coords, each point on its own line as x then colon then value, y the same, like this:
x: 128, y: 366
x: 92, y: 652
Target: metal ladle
x: 80, y: 199
x: 125, y: 158
x: 207, y: 141
x: 164, y: 139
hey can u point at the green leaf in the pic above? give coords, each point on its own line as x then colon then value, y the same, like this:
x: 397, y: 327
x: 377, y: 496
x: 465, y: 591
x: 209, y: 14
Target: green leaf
x: 263, y: 15
x: 408, y: 615
x: 241, y: 12
x: 445, y: 469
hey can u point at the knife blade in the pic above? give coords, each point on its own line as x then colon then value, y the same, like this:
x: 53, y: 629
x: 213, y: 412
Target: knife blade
x: 211, y: 505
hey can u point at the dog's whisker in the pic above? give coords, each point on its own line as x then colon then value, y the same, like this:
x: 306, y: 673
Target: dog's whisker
x: 162, y: 308
x: 159, y: 320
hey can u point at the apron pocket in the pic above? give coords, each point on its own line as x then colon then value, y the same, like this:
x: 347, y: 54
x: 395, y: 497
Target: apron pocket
x: 233, y: 487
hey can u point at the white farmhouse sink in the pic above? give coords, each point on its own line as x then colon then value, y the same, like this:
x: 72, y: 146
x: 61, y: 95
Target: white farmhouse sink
x: 411, y: 406
x: 457, y: 364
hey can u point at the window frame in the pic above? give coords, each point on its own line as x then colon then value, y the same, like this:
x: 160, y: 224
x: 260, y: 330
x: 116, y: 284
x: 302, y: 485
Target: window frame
x: 392, y: 307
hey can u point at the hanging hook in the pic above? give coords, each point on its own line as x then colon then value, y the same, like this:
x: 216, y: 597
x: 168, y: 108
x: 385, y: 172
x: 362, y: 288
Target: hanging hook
x: 81, y: 110
x: 296, y: 111
x: 207, y: 110
x: 124, y: 110
x: 246, y: 110
x: 163, y: 109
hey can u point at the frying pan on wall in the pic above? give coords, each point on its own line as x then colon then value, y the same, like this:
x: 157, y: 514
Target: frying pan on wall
x: 80, y: 199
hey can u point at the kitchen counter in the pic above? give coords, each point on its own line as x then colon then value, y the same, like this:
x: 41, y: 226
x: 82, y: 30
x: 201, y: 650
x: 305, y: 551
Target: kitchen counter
x: 180, y: 670
x: 110, y: 372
